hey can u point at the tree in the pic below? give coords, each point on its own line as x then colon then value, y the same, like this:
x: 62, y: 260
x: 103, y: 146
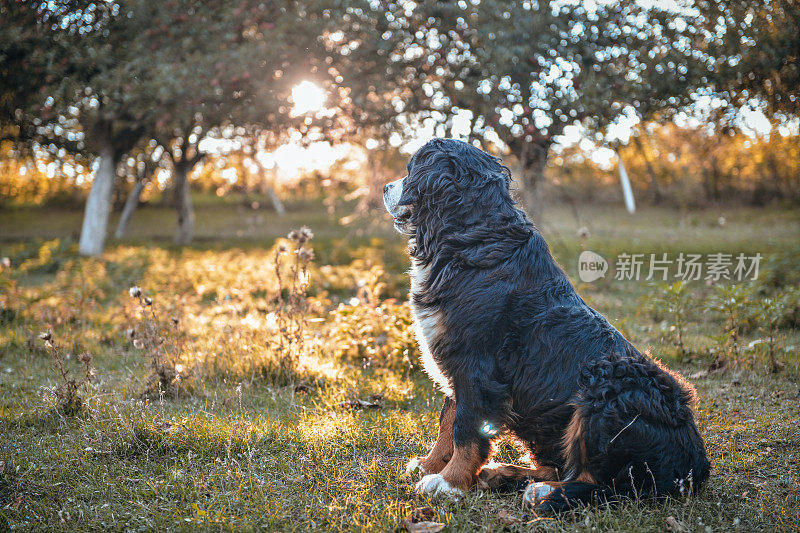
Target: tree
x: 375, y: 61
x: 528, y: 69
x: 141, y: 165
x: 81, y: 99
x: 238, y: 65
x: 756, y: 44
x: 175, y: 71
x: 33, y: 55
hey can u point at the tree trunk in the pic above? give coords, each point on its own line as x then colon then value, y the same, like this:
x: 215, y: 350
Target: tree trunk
x: 533, y: 162
x: 131, y: 203
x: 650, y: 171
x: 265, y: 183
x: 185, y: 231
x: 98, y: 205
x: 277, y: 204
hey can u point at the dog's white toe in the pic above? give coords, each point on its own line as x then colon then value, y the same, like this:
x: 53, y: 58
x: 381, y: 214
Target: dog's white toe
x: 435, y: 484
x: 414, y: 467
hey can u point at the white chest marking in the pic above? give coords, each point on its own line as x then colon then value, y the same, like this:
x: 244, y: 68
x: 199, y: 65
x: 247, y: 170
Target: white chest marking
x: 427, y: 325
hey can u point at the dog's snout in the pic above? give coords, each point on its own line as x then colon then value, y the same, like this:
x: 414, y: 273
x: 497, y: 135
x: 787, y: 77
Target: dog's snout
x: 385, y: 188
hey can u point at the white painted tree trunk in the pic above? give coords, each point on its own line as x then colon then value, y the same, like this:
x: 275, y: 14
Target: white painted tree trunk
x: 627, y: 192
x: 185, y: 230
x: 277, y: 204
x: 131, y: 203
x: 98, y: 205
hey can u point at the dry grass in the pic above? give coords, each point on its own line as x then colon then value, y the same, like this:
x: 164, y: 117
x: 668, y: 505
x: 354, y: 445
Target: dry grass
x: 245, y: 448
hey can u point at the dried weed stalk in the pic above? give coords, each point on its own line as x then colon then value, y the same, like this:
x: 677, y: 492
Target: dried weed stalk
x: 160, y: 342
x: 292, y: 302
x: 68, y: 392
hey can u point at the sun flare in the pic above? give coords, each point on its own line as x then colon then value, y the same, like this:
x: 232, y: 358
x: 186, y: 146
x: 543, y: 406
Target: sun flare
x: 307, y: 96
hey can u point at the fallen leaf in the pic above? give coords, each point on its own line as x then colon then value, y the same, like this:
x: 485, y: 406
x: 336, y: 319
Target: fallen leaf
x: 16, y: 503
x: 302, y: 387
x: 2, y: 466
x: 168, y: 427
x: 422, y: 514
x: 121, y: 479
x: 422, y: 527
x: 507, y: 519
x: 359, y: 404
x: 675, y: 526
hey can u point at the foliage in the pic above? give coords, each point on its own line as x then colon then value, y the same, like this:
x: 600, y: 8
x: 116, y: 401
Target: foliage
x: 675, y: 299
x: 757, y: 50
x: 768, y: 313
x: 376, y: 70
x: 527, y: 70
x: 729, y: 302
x: 687, y: 166
x: 25, y: 179
x: 374, y: 335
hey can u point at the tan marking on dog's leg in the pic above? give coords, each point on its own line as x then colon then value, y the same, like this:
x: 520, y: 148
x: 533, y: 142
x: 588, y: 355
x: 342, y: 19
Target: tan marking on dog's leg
x: 442, y: 450
x: 458, y: 476
x: 462, y: 470
x: 496, y: 475
x: 575, y: 441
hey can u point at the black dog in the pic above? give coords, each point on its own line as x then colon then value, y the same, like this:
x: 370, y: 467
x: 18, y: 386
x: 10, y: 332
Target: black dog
x: 517, y: 351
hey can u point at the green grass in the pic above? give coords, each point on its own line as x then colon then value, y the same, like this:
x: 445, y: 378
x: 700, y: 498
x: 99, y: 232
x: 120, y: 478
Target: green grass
x: 240, y: 450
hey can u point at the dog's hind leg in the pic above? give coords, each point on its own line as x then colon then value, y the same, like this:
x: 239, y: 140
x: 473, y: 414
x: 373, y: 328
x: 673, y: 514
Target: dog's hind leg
x: 505, y: 477
x: 442, y: 450
x: 559, y: 496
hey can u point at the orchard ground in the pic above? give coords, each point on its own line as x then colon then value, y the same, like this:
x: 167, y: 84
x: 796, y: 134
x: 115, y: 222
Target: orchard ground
x: 238, y: 446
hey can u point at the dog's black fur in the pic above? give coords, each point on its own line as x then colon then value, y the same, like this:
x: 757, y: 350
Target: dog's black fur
x: 523, y: 352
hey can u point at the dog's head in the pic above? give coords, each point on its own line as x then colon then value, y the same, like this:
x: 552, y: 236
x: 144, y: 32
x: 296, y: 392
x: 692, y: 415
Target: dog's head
x: 450, y: 185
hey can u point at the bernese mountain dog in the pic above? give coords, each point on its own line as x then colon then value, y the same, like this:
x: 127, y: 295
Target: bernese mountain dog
x: 518, y: 353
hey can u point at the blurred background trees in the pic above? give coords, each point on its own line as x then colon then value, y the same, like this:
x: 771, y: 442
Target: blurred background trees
x: 125, y: 101
x: 528, y: 70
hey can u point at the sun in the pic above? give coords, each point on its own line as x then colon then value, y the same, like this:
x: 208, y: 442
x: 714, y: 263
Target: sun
x: 307, y: 96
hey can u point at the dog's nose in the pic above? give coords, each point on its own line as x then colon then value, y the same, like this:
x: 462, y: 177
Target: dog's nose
x: 385, y: 188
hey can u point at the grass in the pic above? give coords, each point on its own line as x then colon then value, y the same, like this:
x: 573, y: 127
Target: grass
x: 240, y: 449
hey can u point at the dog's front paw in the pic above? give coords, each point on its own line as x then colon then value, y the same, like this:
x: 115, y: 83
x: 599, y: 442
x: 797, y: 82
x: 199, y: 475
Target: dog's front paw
x: 435, y: 484
x: 414, y: 467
